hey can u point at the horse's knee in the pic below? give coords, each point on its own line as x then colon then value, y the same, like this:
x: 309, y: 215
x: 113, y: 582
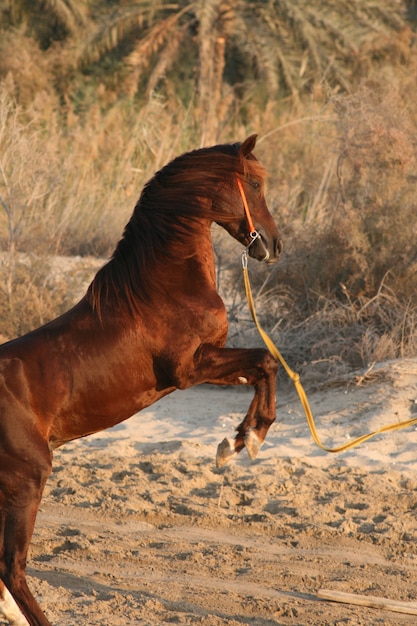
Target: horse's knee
x: 24, y: 450
x: 269, y: 365
x: 21, y: 488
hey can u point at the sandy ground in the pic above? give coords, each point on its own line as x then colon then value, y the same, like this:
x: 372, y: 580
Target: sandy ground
x: 137, y: 525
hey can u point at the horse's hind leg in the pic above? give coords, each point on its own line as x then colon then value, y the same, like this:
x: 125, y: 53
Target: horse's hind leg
x: 9, y: 609
x: 18, y: 533
x: 18, y: 529
x: 21, y: 486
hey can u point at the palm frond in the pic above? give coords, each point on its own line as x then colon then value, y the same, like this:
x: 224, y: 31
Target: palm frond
x: 166, y: 59
x: 144, y: 50
x: 110, y: 36
x: 153, y: 40
x: 67, y: 14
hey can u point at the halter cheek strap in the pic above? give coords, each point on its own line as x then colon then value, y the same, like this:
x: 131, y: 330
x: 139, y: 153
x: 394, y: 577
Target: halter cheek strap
x: 252, y: 230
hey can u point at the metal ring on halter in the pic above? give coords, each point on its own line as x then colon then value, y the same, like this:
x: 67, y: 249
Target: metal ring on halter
x: 253, y: 235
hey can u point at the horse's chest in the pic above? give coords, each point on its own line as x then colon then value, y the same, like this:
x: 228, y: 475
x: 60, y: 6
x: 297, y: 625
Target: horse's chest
x: 206, y: 323
x: 212, y: 325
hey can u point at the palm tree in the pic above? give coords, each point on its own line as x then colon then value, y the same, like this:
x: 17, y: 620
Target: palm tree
x: 220, y: 49
x: 155, y: 34
x: 47, y: 20
x: 285, y: 46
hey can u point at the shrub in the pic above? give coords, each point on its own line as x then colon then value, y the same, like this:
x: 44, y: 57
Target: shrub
x: 346, y: 199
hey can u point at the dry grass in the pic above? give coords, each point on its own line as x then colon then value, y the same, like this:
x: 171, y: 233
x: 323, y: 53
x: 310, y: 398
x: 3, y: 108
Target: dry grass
x: 68, y: 184
x: 342, y: 188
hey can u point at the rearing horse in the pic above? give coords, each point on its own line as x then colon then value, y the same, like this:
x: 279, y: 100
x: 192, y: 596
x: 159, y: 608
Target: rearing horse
x: 151, y: 322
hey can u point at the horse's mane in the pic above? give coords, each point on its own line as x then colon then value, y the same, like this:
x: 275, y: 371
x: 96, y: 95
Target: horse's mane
x: 165, y: 216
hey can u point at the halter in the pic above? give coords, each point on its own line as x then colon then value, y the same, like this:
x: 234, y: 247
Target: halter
x: 253, y: 233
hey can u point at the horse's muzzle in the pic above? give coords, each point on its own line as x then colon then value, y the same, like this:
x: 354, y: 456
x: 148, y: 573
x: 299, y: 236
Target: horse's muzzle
x: 266, y: 250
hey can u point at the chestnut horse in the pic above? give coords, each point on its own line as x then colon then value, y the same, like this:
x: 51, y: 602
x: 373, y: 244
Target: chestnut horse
x: 151, y: 322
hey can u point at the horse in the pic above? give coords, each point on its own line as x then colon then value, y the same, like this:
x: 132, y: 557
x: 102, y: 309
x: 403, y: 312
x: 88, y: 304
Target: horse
x: 150, y: 322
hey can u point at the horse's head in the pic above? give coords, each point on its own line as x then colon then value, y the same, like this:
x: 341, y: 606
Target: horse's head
x: 266, y: 244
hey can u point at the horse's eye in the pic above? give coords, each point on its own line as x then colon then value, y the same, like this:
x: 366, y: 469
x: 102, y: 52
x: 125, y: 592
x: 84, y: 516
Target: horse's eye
x: 255, y: 184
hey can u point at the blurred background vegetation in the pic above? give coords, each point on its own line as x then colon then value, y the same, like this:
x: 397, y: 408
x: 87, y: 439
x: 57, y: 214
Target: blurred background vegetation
x: 96, y: 95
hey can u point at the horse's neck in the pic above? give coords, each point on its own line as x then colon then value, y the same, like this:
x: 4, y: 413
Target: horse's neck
x: 195, y: 263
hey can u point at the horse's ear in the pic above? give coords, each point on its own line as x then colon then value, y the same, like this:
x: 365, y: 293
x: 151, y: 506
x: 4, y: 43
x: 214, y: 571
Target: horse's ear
x: 248, y: 145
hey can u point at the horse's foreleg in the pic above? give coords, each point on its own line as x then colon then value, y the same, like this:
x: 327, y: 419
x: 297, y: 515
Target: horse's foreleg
x: 246, y: 437
x: 256, y: 367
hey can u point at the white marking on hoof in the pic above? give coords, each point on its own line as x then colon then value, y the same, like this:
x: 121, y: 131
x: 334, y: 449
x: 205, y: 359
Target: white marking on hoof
x: 10, y: 610
x: 252, y: 443
x: 225, y: 451
x: 243, y: 380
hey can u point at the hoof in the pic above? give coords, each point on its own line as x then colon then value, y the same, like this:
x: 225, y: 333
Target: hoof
x: 252, y: 443
x: 225, y: 451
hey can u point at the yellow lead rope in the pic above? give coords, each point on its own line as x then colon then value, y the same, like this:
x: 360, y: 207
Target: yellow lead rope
x: 297, y: 383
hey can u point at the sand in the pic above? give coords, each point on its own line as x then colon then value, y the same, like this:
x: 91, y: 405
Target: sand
x: 137, y: 526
